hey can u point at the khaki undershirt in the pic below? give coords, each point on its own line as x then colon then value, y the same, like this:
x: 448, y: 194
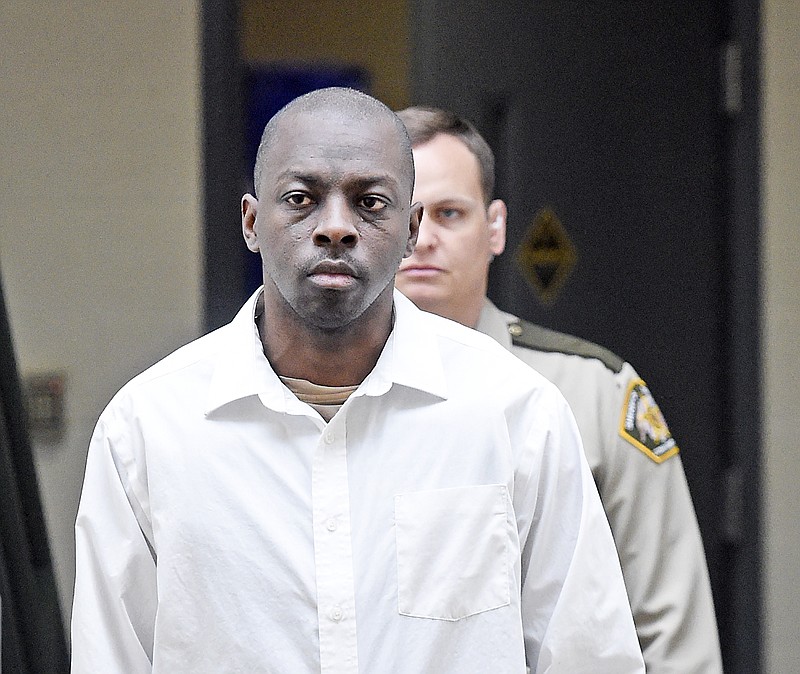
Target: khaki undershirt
x: 327, y: 400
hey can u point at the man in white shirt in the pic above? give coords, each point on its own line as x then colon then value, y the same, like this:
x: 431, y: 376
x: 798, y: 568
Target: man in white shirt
x: 633, y: 456
x: 336, y: 481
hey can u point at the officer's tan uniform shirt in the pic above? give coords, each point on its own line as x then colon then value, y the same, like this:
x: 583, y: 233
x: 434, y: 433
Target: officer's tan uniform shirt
x: 639, y: 475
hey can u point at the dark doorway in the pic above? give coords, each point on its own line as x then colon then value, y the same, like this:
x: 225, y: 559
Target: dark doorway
x: 614, y: 116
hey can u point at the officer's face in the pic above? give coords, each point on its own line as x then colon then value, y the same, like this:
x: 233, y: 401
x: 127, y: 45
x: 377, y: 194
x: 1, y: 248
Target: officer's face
x: 458, y: 234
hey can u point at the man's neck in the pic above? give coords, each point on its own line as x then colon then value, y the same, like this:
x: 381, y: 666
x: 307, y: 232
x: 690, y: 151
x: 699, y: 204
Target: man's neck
x: 342, y: 357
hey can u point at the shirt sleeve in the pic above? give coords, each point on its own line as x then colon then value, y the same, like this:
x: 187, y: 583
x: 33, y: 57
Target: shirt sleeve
x: 654, y: 524
x: 576, y: 615
x: 114, y: 604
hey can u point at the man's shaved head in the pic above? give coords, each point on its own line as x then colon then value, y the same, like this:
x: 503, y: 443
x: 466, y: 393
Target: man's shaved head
x: 347, y: 103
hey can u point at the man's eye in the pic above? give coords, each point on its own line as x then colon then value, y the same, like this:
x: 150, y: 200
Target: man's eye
x: 372, y: 203
x: 449, y: 213
x: 297, y: 199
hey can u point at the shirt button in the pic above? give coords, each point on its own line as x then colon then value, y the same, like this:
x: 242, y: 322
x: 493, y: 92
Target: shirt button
x: 331, y: 524
x: 336, y: 614
x: 330, y: 438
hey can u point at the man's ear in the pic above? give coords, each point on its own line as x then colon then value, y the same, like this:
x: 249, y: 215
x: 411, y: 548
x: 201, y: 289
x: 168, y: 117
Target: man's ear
x: 497, y: 214
x: 414, y: 218
x: 249, y: 212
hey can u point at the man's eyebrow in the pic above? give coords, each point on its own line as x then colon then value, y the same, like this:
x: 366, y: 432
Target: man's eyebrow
x: 300, y: 176
x: 386, y: 179
x: 349, y: 180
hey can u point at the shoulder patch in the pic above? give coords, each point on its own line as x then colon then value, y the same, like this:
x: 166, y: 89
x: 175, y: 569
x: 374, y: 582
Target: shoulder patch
x: 532, y: 336
x: 643, y: 425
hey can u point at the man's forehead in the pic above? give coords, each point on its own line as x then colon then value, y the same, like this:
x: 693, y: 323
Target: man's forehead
x: 320, y: 121
x: 340, y: 125
x: 314, y: 145
x: 310, y: 143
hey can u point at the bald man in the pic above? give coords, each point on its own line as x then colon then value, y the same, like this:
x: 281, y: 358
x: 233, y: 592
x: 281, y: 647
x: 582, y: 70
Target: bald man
x: 336, y: 481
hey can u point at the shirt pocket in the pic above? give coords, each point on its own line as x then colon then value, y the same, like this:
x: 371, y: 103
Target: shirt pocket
x: 452, y: 551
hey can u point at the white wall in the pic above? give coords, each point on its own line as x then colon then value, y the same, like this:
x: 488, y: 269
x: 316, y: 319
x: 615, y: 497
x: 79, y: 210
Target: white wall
x: 100, y: 225
x: 781, y: 250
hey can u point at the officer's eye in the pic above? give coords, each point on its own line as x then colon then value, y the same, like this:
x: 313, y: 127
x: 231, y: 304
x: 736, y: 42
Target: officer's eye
x: 449, y: 213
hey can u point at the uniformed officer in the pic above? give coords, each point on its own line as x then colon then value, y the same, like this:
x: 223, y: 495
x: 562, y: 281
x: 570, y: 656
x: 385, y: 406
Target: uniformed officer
x: 632, y: 454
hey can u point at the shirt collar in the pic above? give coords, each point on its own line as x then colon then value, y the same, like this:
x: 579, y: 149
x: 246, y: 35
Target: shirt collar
x: 410, y: 358
x: 240, y: 367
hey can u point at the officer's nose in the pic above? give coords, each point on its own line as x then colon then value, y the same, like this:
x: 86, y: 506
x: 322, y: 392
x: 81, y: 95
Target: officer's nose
x: 336, y: 225
x: 427, y: 237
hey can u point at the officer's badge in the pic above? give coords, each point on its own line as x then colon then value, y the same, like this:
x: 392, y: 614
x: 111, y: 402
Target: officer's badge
x: 643, y: 425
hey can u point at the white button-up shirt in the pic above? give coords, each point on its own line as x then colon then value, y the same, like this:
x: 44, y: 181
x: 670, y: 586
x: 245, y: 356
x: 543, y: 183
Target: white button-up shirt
x: 443, y: 521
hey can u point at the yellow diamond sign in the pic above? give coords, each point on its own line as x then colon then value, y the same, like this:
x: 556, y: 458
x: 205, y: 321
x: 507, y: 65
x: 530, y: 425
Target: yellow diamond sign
x: 546, y: 255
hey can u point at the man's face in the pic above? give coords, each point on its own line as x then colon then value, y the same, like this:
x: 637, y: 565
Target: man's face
x: 447, y: 274
x: 332, y: 220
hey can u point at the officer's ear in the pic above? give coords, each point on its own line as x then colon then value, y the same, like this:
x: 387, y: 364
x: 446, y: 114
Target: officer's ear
x: 497, y: 213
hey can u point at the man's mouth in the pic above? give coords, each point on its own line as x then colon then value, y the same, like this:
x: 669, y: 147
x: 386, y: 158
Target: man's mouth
x: 333, y: 274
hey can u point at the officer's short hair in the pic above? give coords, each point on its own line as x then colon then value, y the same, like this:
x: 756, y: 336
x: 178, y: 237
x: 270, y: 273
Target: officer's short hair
x: 423, y: 123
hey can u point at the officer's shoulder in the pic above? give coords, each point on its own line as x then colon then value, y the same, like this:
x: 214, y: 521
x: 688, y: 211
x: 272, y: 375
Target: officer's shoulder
x: 528, y: 335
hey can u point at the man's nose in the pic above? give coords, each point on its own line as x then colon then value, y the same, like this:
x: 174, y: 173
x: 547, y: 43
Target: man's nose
x: 337, y: 225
